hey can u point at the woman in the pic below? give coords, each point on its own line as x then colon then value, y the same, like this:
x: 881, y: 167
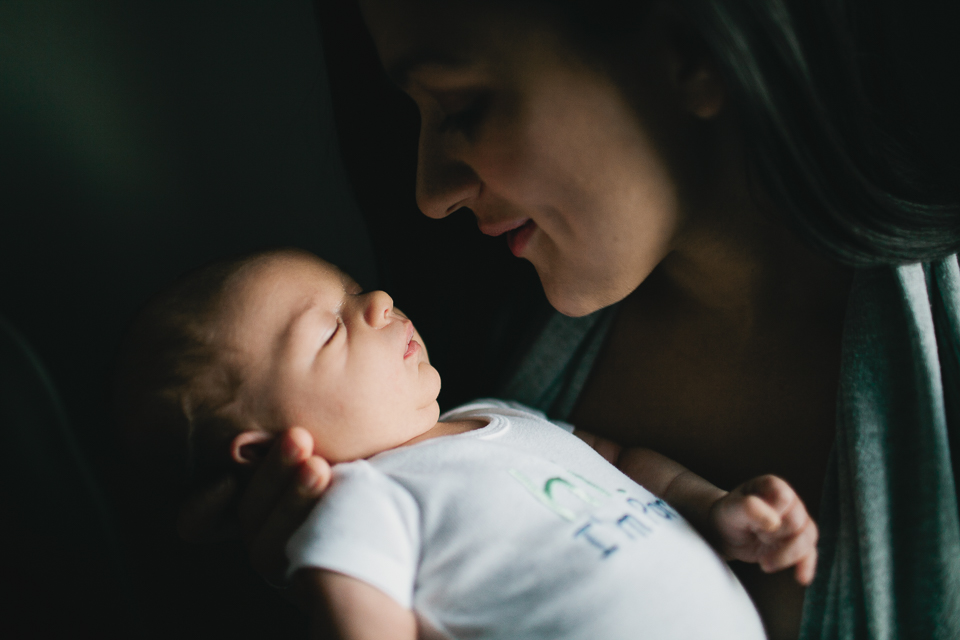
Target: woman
x: 695, y: 184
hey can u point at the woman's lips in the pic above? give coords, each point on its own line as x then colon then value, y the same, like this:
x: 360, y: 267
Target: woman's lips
x: 500, y: 228
x: 519, y: 238
x: 518, y: 232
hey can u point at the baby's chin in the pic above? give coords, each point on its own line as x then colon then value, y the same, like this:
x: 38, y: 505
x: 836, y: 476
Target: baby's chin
x: 435, y: 412
x: 387, y: 437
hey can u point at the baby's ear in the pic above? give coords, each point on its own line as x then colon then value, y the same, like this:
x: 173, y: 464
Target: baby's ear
x: 250, y: 447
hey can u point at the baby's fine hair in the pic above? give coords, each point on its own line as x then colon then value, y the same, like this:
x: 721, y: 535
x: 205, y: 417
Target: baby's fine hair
x: 172, y: 380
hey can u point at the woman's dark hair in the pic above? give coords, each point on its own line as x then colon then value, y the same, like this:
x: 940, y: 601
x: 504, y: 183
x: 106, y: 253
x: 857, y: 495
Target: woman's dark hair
x: 831, y: 130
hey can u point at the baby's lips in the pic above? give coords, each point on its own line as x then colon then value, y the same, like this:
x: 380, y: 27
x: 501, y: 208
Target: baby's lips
x: 411, y: 345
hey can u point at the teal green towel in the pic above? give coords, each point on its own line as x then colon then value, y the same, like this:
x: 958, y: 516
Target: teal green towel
x: 890, y: 529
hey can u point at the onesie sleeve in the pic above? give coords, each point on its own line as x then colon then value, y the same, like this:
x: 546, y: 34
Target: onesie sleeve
x: 366, y: 526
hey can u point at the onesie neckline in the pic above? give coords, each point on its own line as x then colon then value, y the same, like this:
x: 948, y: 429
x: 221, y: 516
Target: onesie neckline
x: 496, y: 424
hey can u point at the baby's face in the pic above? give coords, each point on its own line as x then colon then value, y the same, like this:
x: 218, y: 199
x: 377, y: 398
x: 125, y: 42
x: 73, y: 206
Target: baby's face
x: 316, y: 352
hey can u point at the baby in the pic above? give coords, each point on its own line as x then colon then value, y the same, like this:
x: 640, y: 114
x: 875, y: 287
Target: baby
x: 486, y: 522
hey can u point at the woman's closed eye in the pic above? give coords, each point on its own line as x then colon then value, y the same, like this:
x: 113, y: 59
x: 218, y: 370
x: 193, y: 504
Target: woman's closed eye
x: 465, y: 118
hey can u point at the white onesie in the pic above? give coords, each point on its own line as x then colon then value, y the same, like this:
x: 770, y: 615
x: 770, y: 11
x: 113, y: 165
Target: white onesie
x: 520, y: 530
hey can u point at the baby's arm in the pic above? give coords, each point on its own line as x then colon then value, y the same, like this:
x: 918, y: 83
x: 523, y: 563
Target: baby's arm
x: 763, y: 520
x: 345, y: 608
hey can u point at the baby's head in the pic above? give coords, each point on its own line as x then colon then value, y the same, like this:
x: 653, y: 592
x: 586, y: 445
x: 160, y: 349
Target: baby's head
x: 237, y: 352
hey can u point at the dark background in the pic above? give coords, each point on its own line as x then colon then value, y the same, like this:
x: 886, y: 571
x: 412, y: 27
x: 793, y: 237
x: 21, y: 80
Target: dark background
x: 138, y: 140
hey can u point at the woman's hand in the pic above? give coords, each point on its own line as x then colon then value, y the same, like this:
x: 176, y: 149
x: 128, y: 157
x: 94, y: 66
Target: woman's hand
x: 282, y: 491
x: 764, y: 521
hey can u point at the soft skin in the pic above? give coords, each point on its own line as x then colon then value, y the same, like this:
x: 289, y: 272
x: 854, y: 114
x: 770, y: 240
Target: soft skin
x: 314, y: 351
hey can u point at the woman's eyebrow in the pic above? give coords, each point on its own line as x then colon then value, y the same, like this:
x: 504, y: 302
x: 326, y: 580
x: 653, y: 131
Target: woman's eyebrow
x: 400, y: 70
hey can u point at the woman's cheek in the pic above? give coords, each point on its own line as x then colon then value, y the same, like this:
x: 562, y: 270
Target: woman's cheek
x: 496, y: 157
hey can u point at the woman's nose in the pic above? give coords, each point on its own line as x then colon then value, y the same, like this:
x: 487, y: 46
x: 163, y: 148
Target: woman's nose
x: 377, y: 311
x: 444, y: 183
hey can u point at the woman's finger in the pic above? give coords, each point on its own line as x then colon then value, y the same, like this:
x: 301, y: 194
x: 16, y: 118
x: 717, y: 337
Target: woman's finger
x: 272, y: 477
x: 204, y: 515
x: 267, y: 547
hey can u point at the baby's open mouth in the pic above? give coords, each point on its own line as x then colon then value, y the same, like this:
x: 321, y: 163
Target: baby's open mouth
x: 412, y: 345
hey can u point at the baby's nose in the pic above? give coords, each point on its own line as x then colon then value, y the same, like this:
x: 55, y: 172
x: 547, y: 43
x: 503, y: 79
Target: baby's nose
x: 379, y: 306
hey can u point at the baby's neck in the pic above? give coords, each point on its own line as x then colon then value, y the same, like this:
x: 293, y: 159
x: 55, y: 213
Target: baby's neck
x: 447, y: 429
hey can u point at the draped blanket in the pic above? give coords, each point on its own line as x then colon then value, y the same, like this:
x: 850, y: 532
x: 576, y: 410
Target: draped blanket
x: 889, y: 523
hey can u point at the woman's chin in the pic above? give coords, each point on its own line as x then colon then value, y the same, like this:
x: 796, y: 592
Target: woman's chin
x: 581, y: 289
x: 570, y: 302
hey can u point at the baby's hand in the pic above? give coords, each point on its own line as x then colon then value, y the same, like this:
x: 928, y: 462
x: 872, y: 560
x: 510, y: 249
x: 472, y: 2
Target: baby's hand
x: 764, y: 521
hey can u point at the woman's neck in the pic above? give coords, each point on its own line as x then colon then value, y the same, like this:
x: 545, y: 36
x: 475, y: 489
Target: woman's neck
x: 752, y: 276
x: 734, y: 256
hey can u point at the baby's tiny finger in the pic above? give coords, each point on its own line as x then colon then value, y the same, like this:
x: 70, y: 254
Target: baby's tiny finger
x: 794, y: 520
x: 762, y: 517
x: 789, y: 552
x: 773, y: 490
x: 806, y: 569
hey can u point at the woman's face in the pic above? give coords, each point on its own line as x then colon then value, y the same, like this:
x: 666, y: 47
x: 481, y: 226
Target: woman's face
x: 540, y: 145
